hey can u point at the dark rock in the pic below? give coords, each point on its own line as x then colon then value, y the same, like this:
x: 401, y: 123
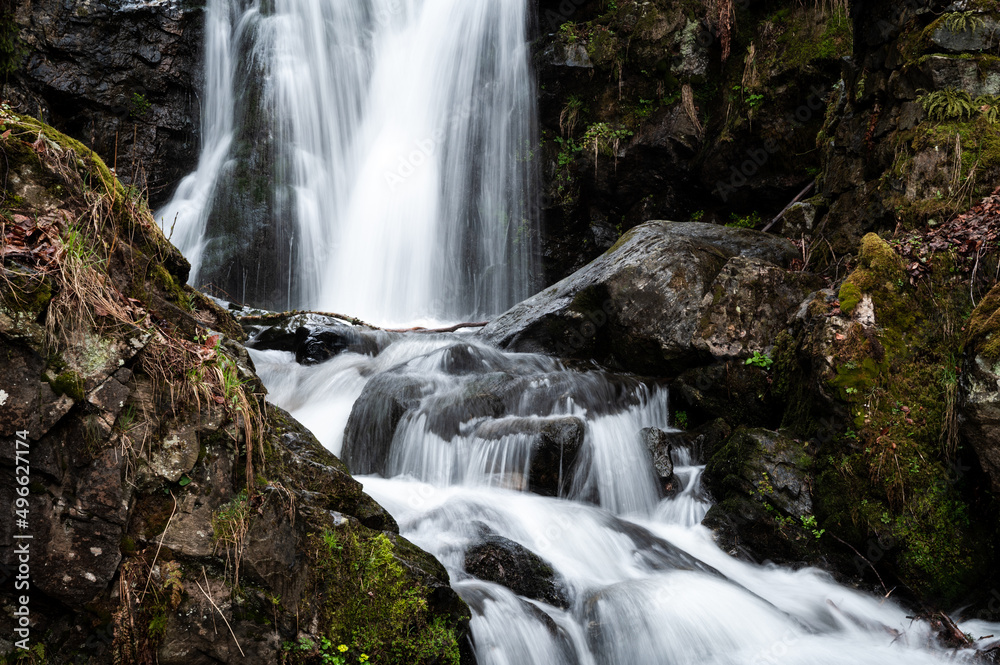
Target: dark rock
x: 507, y: 563
x: 662, y: 299
x: 314, y: 338
x: 974, y: 39
x: 660, y: 445
x: 757, y: 477
x: 979, y: 388
x: 374, y: 417
x: 555, y: 446
x: 733, y: 391
x: 123, y: 78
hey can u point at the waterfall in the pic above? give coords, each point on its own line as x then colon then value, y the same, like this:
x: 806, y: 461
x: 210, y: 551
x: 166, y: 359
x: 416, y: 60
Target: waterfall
x: 373, y: 157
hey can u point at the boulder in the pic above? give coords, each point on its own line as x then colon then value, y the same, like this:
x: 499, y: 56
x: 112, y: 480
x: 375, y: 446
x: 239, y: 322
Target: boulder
x: 510, y: 564
x: 555, y: 445
x: 667, y: 296
x: 762, y: 486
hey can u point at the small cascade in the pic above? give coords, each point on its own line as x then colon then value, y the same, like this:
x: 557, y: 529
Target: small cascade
x: 466, y: 445
x: 373, y: 157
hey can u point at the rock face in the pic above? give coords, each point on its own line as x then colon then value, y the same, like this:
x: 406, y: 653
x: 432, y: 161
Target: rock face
x: 886, y: 161
x: 979, y: 417
x: 122, y: 77
x: 758, y: 474
x: 667, y: 296
x: 675, y: 130
x: 163, y: 494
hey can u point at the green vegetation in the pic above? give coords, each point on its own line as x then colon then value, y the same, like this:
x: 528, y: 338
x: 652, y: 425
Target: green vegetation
x: 138, y: 106
x: 751, y: 221
x: 883, y: 480
x: 372, y: 606
x: 760, y: 360
x: 958, y: 22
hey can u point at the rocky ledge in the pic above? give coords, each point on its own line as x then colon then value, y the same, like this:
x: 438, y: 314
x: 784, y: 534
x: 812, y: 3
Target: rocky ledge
x: 175, y: 516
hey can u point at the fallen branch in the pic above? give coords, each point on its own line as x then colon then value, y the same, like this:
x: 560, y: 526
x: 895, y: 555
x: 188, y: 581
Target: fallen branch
x: 870, y: 564
x: 794, y: 201
x: 278, y: 316
x: 457, y: 326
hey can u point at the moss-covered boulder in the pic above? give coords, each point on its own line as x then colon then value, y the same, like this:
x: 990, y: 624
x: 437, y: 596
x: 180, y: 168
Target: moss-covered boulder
x: 175, y: 516
x: 761, y: 482
x: 980, y: 387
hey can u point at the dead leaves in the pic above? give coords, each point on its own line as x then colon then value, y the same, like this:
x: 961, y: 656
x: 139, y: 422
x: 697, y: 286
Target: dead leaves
x: 34, y: 242
x: 970, y: 235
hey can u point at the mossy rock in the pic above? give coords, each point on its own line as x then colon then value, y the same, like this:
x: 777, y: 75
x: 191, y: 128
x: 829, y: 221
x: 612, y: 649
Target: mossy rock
x: 983, y: 328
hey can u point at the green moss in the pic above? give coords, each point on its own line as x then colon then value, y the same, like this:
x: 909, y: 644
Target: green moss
x: 28, y: 292
x: 12, y: 48
x: 850, y: 295
x: 373, y: 606
x: 882, y: 260
x: 70, y: 384
x: 175, y: 292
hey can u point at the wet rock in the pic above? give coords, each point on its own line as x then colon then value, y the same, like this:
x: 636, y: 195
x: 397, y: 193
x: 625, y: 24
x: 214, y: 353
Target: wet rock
x: 763, y: 488
x: 662, y: 299
x: 555, y: 445
x: 315, y: 338
x: 660, y: 444
x: 764, y: 464
x: 374, y: 418
x: 507, y: 563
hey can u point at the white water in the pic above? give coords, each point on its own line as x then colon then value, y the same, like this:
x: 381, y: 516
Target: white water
x: 646, y: 584
x: 403, y: 138
x: 402, y: 134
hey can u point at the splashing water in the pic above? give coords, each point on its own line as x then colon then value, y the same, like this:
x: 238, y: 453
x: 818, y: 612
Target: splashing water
x: 644, y: 582
x: 372, y: 157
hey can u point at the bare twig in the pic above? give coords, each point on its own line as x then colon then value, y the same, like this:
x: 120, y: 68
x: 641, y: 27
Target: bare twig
x: 159, y: 545
x: 198, y: 584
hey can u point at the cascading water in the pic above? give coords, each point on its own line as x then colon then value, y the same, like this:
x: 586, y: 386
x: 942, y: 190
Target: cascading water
x: 470, y: 458
x: 372, y: 157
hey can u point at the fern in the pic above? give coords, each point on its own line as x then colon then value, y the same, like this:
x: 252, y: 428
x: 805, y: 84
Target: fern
x: 989, y: 107
x: 959, y: 22
x: 948, y: 104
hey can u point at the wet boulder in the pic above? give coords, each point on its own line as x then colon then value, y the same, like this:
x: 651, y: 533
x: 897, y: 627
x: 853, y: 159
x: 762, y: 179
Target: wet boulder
x: 314, y: 338
x: 666, y: 297
x: 374, y: 418
x: 555, y: 446
x: 762, y: 485
x: 510, y: 564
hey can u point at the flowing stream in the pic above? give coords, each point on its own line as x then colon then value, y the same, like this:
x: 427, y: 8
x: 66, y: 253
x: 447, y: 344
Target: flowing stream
x: 375, y: 157
x: 641, y: 581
